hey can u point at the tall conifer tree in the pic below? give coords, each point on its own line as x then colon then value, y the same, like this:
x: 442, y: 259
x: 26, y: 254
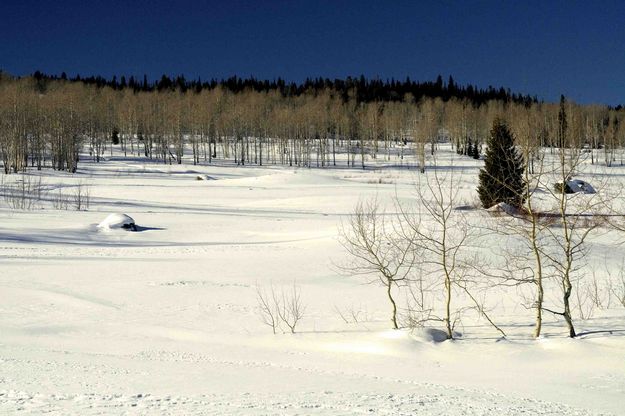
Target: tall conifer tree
x: 501, y: 179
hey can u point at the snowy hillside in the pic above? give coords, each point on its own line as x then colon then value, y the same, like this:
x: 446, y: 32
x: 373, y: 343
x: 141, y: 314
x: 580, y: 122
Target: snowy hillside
x: 165, y: 319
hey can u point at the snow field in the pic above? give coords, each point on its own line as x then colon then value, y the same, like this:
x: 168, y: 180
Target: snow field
x: 165, y: 320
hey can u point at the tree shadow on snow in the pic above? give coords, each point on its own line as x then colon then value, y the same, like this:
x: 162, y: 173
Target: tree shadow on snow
x: 602, y: 333
x: 140, y: 229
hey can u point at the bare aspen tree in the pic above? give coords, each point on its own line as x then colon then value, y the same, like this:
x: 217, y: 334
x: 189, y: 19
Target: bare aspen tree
x: 419, y: 132
x: 430, y: 121
x: 438, y: 233
x: 571, y: 211
x: 456, y: 124
x: 528, y: 267
x: 377, y: 250
x: 128, y: 119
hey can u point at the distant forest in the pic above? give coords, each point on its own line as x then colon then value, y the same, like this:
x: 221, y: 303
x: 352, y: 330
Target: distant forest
x: 360, y: 88
x: 49, y: 121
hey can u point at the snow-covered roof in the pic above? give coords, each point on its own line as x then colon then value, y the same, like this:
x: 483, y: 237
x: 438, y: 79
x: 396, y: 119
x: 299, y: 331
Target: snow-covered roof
x: 578, y: 186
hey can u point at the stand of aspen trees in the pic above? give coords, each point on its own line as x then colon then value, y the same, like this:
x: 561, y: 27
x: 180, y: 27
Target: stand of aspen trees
x: 50, y: 127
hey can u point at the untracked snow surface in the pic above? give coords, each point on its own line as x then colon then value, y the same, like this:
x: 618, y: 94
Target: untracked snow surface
x: 165, y: 320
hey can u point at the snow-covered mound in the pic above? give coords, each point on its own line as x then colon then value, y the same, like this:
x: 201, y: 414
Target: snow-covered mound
x: 430, y: 334
x: 503, y: 208
x: 204, y: 178
x: 117, y: 221
x: 574, y: 186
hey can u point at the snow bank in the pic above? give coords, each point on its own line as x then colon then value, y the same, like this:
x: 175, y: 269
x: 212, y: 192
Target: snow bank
x: 503, y: 208
x: 204, y: 178
x: 117, y: 221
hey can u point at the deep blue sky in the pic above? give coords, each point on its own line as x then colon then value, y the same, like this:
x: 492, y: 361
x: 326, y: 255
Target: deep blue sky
x: 536, y: 47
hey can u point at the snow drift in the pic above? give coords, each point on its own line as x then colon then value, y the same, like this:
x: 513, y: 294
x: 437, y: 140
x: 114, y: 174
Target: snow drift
x: 503, y: 208
x: 118, y: 221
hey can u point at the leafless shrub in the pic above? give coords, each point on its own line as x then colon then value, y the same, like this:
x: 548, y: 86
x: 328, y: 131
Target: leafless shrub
x: 81, y: 197
x: 419, y: 309
x: 281, y: 306
x: 59, y: 199
x: 585, y: 303
x: 596, y: 294
x: 291, y: 310
x: 618, y: 290
x: 352, y: 314
x: 268, y: 307
x: 22, y: 194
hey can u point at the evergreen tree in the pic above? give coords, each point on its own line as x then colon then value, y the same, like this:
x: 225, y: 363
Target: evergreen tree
x: 476, y: 151
x: 115, y: 137
x: 501, y: 178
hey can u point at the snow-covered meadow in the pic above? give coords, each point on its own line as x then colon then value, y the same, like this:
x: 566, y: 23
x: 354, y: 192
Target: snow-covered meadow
x: 165, y: 320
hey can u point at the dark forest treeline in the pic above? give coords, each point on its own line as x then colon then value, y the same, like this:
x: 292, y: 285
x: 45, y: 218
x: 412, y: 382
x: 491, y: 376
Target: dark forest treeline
x: 360, y: 88
x: 48, y: 121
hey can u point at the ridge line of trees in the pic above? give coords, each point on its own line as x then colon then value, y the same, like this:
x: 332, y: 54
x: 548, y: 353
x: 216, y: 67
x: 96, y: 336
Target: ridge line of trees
x: 360, y: 88
x: 50, y: 122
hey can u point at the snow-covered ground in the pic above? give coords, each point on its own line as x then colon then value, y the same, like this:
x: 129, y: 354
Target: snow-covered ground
x: 165, y: 320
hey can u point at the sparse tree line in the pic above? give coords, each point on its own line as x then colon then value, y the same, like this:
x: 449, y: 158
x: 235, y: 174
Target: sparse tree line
x: 49, y: 124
